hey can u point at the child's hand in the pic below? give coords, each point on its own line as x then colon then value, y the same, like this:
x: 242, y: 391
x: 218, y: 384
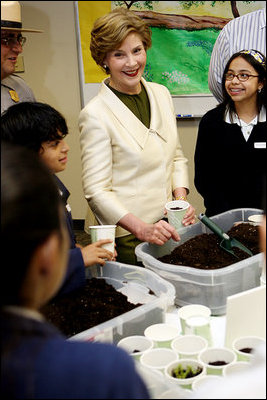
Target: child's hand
x: 95, y: 254
x: 115, y: 253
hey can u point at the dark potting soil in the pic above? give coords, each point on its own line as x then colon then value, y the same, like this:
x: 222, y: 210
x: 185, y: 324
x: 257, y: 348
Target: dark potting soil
x: 217, y: 363
x: 86, y: 307
x: 204, y: 251
x: 246, y: 350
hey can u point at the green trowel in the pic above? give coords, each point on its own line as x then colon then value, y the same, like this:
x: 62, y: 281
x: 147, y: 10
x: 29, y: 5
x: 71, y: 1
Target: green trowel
x: 227, y: 242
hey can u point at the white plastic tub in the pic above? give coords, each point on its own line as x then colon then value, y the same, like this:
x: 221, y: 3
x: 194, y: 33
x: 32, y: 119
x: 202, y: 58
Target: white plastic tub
x: 206, y: 287
x: 141, y: 286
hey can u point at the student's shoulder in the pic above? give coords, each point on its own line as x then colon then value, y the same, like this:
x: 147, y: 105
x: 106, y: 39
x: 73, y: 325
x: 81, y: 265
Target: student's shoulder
x: 101, y: 357
x: 94, y: 349
x: 215, y: 114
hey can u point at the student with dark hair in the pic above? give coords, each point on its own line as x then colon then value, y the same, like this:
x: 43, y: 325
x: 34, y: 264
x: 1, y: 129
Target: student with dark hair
x: 37, y: 362
x: 230, y: 154
x: 41, y: 128
x: 245, y: 32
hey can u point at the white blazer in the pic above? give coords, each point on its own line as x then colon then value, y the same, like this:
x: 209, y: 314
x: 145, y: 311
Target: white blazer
x: 126, y: 167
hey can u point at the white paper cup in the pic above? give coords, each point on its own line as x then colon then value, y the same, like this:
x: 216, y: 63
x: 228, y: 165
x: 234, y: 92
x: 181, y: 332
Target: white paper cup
x: 176, y: 210
x: 161, y: 334
x: 99, y: 232
x: 179, y: 393
x: 192, y: 310
x: 218, y: 355
x: 245, y: 343
x: 184, y: 382
x: 235, y: 367
x: 158, y: 359
x: 204, y: 379
x: 255, y: 219
x: 189, y: 346
x: 200, y: 326
x: 136, y: 345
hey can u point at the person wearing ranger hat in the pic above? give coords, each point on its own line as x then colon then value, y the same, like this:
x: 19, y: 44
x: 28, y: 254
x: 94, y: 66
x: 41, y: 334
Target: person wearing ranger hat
x: 13, y: 88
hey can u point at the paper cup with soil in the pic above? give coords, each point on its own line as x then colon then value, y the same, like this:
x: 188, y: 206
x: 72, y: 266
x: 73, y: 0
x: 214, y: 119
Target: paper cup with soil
x: 176, y: 211
x: 216, y: 358
x: 99, y: 232
x: 136, y: 345
x: 244, y: 346
x: 184, y: 372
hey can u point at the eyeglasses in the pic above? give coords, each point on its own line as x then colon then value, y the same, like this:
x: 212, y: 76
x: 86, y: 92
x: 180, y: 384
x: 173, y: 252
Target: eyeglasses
x: 13, y: 41
x: 242, y: 77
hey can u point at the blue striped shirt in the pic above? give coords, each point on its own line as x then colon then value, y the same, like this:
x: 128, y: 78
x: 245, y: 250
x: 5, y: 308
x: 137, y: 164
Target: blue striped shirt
x: 242, y: 33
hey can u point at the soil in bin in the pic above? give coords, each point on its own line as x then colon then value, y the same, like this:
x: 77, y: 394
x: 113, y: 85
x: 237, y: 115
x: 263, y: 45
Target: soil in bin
x: 204, y: 251
x: 86, y: 307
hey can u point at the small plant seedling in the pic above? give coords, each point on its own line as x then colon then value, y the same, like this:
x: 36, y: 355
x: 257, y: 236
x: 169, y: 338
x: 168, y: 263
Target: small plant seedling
x: 182, y: 372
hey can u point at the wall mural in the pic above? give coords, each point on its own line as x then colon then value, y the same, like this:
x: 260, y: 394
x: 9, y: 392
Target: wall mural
x: 183, y: 35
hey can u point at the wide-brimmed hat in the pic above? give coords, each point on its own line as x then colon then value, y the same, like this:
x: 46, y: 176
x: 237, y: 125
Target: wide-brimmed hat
x: 11, y: 17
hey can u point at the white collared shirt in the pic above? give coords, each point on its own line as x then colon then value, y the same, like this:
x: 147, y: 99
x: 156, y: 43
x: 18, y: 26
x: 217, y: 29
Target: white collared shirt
x: 246, y: 127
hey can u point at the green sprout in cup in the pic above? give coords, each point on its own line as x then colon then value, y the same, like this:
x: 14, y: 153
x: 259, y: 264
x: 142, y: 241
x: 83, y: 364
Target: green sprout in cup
x: 181, y: 372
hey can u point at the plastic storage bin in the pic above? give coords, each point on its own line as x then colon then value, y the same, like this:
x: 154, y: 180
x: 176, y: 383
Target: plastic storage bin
x: 196, y: 286
x: 142, y: 286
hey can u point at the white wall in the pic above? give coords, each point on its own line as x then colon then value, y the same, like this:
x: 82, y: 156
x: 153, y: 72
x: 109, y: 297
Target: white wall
x: 51, y: 70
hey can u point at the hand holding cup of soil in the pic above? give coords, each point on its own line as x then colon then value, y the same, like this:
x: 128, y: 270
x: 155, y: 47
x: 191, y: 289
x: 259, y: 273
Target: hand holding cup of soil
x: 100, y: 232
x: 176, y: 211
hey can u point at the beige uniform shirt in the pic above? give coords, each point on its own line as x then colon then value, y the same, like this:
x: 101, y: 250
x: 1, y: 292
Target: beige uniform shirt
x: 14, y: 90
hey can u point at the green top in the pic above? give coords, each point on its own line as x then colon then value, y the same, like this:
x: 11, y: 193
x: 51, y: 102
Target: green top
x: 137, y: 103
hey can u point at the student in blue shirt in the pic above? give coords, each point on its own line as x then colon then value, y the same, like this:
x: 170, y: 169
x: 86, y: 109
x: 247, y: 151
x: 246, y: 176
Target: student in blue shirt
x: 37, y: 362
x: 41, y: 128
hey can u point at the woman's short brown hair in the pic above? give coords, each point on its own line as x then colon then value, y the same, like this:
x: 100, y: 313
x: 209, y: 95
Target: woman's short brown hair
x: 110, y: 30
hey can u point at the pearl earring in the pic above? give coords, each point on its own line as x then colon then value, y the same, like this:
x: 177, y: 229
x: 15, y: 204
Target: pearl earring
x: 259, y: 90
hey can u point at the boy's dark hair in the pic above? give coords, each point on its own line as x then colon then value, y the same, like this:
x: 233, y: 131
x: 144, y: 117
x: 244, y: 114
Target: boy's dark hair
x: 30, y: 212
x: 30, y: 124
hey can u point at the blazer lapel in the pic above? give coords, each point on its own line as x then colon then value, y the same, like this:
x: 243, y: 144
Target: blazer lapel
x: 130, y: 122
x: 156, y: 122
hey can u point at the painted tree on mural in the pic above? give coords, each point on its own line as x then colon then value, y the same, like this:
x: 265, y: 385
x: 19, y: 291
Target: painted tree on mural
x: 185, y: 4
x: 188, y: 4
x: 179, y: 21
x: 182, y: 64
x: 138, y: 4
